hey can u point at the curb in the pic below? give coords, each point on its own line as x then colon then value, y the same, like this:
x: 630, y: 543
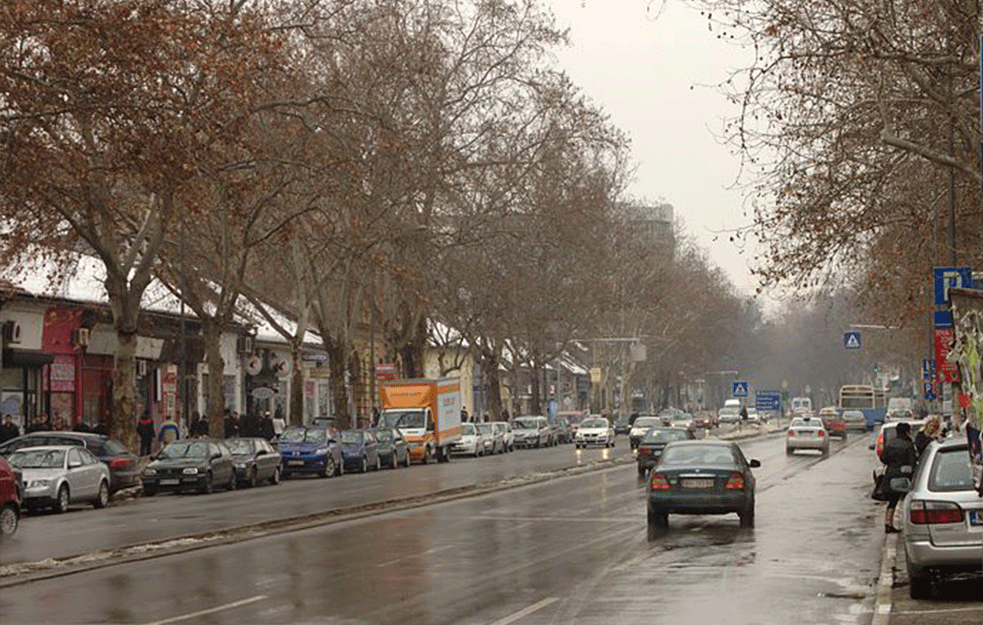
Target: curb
x: 885, y: 581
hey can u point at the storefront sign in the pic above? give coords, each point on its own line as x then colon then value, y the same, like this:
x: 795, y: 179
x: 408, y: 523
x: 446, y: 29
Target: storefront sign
x: 61, y: 379
x: 263, y: 392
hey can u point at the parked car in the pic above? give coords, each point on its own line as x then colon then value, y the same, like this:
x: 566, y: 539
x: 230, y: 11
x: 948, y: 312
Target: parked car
x: 574, y: 417
x: 57, y: 477
x: 556, y: 430
x: 392, y: 447
x: 564, y: 430
x: 943, y: 518
x: 855, y: 420
x: 701, y: 477
x: 531, y: 431
x: 640, y: 427
x: 254, y: 460
x: 505, y: 428
x: 199, y: 464
x: 310, y: 450
x: 359, y: 451
x: 124, y: 467
x: 833, y: 422
x: 806, y: 433
x: 594, y: 431
x: 11, y: 497
x: 654, y: 441
x: 471, y: 442
x: 494, y: 441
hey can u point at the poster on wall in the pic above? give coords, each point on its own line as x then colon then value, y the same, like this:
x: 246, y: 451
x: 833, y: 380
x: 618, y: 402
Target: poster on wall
x: 967, y: 352
x: 13, y: 404
x: 62, y: 374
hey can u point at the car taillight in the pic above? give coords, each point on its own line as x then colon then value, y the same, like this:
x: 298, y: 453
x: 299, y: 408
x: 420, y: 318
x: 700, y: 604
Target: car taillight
x: 736, y: 481
x: 934, y: 512
x: 118, y: 463
x: 791, y: 432
x: 821, y: 433
x: 880, y: 443
x: 644, y: 451
x: 659, y: 482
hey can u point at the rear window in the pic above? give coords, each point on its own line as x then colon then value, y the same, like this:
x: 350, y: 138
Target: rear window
x: 647, y: 422
x: 664, y: 436
x: 114, y: 447
x: 951, y: 471
x: 700, y: 455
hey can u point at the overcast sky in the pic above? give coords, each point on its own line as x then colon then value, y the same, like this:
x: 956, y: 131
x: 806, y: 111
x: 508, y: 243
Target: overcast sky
x: 655, y: 74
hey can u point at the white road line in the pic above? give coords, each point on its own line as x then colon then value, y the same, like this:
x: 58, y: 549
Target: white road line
x: 526, y: 611
x: 425, y: 553
x: 227, y: 606
x: 943, y: 611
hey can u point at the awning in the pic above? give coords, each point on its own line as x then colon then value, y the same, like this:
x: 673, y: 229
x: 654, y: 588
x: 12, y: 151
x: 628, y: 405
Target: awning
x: 26, y: 358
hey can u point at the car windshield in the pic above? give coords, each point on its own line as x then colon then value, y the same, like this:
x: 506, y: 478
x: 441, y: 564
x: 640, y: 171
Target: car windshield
x: 525, y: 424
x: 468, y: 429
x: 730, y: 410
x: 351, y: 437
x: 951, y: 471
x: 38, y: 459
x: 486, y: 428
x: 240, y: 446
x: 664, y: 436
x: 180, y: 449
x: 853, y: 414
x: 304, y: 435
x: 403, y: 419
x: 647, y: 422
x: 594, y: 423
x: 699, y: 455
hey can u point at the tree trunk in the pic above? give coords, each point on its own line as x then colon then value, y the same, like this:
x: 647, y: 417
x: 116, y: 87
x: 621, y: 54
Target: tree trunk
x: 535, y: 379
x: 296, y: 405
x: 489, y: 365
x: 339, y: 392
x: 123, y: 421
x: 215, y: 410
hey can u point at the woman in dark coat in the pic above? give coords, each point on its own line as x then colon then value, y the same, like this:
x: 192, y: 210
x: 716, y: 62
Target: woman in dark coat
x: 899, y: 455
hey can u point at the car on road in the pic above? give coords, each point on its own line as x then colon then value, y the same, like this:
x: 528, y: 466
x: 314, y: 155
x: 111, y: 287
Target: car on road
x: 704, y: 420
x: 124, y: 467
x: 531, y: 431
x: 834, y: 423
x: 641, y: 426
x: 668, y: 414
x: 574, y: 417
x: 682, y: 420
x: 359, y: 451
x: 392, y: 447
x: 310, y: 450
x: 494, y: 435
x: 701, y: 477
x: 806, y: 433
x: 622, y: 424
x: 730, y: 413
x: 855, y: 420
x: 654, y: 441
x: 471, y: 442
x: 58, y: 476
x: 594, y: 431
x: 199, y: 464
x: 943, y: 518
x: 505, y: 429
x: 11, y: 496
x: 559, y: 430
x: 254, y: 460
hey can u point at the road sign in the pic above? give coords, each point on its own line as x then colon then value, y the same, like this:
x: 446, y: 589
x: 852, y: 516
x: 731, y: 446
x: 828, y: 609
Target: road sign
x: 946, y: 278
x: 943, y: 318
x: 739, y: 389
x: 851, y: 340
x: 928, y: 369
x: 768, y: 401
x: 929, y: 391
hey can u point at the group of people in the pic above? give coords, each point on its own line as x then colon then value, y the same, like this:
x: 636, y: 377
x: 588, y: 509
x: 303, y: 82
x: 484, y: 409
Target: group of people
x: 250, y: 425
x: 900, y: 457
x: 42, y: 423
x: 476, y: 418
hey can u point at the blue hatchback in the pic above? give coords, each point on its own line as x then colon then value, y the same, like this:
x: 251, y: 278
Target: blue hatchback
x: 310, y: 450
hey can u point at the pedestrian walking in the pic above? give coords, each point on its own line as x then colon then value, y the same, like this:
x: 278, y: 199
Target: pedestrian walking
x: 199, y: 426
x: 266, y: 429
x: 169, y: 431
x: 505, y: 415
x: 145, y: 430
x: 899, y: 456
x: 9, y: 429
x: 279, y: 424
x: 928, y: 433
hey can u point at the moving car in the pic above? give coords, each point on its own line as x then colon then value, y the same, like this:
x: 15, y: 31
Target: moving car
x: 654, y: 441
x: 57, y: 477
x: 833, y: 422
x: 494, y: 441
x: 254, y: 460
x: 682, y: 420
x: 574, y: 417
x: 11, y: 496
x: 392, y: 447
x: 359, y: 451
x: 730, y: 413
x: 701, y: 477
x: 198, y: 464
x: 622, y: 425
x: 855, y: 420
x: 310, y: 450
x: 594, y: 431
x: 124, y: 467
x: 943, y: 518
x: 505, y: 428
x: 642, y: 425
x: 806, y: 433
x: 471, y: 441
x: 531, y: 431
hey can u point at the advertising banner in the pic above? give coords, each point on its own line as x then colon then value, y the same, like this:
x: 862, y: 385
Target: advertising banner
x: 967, y: 353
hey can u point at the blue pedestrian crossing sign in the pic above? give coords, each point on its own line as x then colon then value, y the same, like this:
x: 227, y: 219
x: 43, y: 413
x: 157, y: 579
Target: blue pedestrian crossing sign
x: 851, y: 340
x: 739, y: 389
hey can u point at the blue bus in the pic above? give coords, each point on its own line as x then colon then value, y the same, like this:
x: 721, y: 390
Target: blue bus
x: 872, y: 401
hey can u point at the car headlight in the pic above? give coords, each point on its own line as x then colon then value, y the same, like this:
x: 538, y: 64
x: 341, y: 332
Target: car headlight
x: 39, y: 483
x: 240, y: 466
x: 190, y: 471
x: 149, y: 471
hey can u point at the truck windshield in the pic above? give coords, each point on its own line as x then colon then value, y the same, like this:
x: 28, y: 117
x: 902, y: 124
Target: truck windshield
x: 403, y: 419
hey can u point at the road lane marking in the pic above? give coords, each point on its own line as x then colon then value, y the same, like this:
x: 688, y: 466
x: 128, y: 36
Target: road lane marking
x: 425, y: 553
x: 526, y: 611
x: 941, y: 611
x: 227, y: 606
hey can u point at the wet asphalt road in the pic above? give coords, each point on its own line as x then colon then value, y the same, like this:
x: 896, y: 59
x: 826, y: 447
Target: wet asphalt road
x: 572, y: 550
x: 83, y: 530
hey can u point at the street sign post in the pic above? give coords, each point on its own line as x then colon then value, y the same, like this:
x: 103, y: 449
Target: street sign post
x: 768, y: 401
x: 739, y: 390
x: 928, y: 369
x: 929, y: 387
x: 852, y: 340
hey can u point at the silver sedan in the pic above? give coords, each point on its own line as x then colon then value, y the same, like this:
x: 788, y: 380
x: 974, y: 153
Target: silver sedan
x: 807, y: 433
x: 58, y: 476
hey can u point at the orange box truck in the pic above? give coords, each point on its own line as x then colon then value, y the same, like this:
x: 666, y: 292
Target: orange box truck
x: 426, y: 412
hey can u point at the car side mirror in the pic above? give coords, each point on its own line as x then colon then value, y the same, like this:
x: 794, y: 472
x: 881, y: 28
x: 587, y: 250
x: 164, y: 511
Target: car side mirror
x: 261, y: 452
x: 216, y: 456
x: 755, y: 464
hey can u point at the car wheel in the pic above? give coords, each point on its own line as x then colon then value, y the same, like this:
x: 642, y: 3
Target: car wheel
x: 102, y: 498
x: 920, y: 587
x: 149, y: 492
x: 233, y: 482
x: 364, y: 466
x: 642, y: 471
x: 63, y: 499
x: 844, y: 437
x: 788, y: 451
x: 9, y: 520
x: 826, y: 450
x: 285, y: 475
x: 378, y: 463
x: 253, y: 474
x: 339, y: 467
x: 406, y: 463
x: 275, y: 478
x: 657, y: 518
x: 207, y: 488
x: 747, y: 517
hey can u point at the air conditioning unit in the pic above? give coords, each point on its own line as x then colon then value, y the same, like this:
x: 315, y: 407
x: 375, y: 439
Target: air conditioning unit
x: 141, y: 367
x: 81, y: 337
x: 11, y: 332
x: 245, y: 345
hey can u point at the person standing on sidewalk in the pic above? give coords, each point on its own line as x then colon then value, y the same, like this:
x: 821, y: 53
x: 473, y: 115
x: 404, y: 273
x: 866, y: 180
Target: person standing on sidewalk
x: 900, y: 456
x: 145, y: 430
x: 928, y: 433
x: 169, y: 431
x: 9, y: 430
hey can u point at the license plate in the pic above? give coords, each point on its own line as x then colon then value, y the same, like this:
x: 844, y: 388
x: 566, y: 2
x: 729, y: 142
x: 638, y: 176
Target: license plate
x: 697, y: 483
x: 170, y: 482
x: 976, y: 517
x: 296, y: 463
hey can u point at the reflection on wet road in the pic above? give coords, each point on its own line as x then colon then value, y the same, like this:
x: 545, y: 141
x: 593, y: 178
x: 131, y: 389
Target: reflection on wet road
x: 573, y: 550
